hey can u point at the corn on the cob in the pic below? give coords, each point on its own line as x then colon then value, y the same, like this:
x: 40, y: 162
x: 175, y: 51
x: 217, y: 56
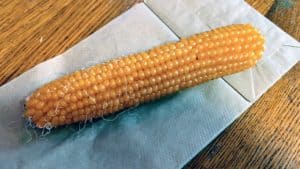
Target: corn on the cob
x: 118, y: 84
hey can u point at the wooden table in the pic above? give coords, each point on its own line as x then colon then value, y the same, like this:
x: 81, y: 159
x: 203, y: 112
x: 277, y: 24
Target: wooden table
x: 266, y: 136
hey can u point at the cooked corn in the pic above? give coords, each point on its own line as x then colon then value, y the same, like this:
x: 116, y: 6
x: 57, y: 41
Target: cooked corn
x: 121, y: 83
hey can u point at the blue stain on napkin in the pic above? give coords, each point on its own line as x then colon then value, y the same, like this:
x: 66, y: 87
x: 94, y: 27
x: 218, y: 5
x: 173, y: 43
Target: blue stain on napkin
x: 162, y: 134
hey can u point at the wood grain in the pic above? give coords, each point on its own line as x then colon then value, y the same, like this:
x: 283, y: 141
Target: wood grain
x: 286, y: 14
x: 33, y: 31
x: 262, y: 6
x: 266, y: 136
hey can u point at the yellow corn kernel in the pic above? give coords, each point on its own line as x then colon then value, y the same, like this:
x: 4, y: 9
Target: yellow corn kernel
x: 121, y: 83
